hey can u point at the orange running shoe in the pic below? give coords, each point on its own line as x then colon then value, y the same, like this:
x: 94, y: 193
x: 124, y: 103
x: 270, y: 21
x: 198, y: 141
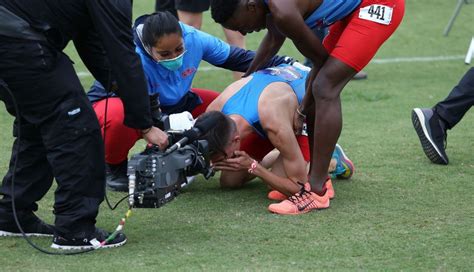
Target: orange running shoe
x: 330, y: 190
x: 276, y: 195
x: 301, y: 202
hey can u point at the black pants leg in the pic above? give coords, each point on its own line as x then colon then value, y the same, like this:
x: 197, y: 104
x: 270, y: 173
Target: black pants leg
x: 33, y: 176
x: 63, y: 137
x: 166, y: 5
x: 458, y: 102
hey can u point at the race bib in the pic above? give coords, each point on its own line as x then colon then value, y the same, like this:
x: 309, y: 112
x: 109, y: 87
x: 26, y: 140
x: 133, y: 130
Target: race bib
x: 287, y: 73
x: 377, y: 13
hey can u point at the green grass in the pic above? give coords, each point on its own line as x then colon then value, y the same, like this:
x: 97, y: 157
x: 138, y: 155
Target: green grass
x: 399, y: 212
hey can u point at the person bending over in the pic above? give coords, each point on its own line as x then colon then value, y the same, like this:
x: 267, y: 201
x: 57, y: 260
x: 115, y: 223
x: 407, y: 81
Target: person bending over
x: 171, y: 53
x: 357, y: 29
x: 263, y: 107
x: 60, y: 136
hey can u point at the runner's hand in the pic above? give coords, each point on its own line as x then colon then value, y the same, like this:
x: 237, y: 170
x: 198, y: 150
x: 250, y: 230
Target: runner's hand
x: 241, y: 161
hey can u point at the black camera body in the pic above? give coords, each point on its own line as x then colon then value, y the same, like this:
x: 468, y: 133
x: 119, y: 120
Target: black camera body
x: 156, y: 177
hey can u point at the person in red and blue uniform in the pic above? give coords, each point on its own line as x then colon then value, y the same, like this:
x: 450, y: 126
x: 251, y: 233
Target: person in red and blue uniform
x: 357, y: 29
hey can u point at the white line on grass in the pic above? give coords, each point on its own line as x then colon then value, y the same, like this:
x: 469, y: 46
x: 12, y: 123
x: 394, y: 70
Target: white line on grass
x: 417, y: 59
x: 376, y: 61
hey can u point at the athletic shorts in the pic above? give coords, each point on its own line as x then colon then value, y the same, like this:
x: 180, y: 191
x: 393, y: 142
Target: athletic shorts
x: 257, y: 147
x: 355, y: 39
x: 195, y: 6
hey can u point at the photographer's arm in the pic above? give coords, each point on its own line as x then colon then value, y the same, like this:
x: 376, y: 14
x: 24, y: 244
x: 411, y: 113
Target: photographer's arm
x: 112, y: 20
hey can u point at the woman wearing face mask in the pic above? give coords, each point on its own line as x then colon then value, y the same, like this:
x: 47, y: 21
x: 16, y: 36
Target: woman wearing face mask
x: 170, y: 52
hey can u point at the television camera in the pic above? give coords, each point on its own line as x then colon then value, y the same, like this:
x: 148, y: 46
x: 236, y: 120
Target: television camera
x: 156, y: 177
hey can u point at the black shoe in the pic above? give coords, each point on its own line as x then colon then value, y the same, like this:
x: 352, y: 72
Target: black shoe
x: 84, y: 241
x: 116, y: 176
x: 31, y: 225
x: 432, y: 133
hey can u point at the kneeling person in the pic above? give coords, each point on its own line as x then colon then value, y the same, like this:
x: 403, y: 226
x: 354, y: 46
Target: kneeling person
x: 263, y: 107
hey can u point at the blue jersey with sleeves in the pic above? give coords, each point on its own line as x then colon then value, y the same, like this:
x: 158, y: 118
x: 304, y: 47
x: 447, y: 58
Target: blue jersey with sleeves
x: 245, y: 101
x: 329, y: 12
x: 173, y: 85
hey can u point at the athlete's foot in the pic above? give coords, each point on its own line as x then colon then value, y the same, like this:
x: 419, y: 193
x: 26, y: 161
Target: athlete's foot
x: 330, y: 190
x: 344, y: 166
x: 276, y: 195
x: 302, y: 202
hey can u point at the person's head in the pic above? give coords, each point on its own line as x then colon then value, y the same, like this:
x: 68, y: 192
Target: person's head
x: 162, y: 37
x: 223, y: 138
x: 245, y: 16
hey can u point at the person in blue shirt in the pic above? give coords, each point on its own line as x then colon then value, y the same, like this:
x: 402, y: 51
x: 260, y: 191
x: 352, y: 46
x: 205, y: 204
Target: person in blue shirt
x: 171, y: 53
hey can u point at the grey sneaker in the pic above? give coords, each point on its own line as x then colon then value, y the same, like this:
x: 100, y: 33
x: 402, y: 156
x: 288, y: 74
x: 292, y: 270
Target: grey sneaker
x: 432, y: 133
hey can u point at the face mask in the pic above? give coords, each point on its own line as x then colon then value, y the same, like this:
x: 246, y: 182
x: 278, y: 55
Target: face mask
x: 172, y: 64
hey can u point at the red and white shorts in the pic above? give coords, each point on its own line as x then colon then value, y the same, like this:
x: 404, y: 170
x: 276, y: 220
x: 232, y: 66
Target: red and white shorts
x: 355, y: 39
x: 257, y: 147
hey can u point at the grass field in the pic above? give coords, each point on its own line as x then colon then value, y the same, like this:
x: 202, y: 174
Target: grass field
x: 398, y: 212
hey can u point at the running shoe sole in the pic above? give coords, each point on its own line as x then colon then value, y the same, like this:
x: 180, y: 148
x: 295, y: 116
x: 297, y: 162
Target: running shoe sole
x: 347, y: 161
x: 15, y: 234
x: 86, y: 247
x: 296, y: 212
x: 424, y: 133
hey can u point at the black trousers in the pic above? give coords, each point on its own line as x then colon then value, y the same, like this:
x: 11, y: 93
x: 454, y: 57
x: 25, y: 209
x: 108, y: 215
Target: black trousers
x: 166, y: 5
x: 60, y: 137
x: 196, y: 6
x: 458, y: 102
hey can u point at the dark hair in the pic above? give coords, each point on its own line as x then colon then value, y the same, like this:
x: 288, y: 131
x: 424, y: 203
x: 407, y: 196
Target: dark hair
x: 219, y: 136
x: 157, y: 25
x: 222, y: 10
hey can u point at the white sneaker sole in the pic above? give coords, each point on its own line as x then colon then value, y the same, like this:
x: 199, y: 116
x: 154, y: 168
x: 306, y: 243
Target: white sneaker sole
x: 429, y: 147
x: 86, y: 247
x: 15, y: 234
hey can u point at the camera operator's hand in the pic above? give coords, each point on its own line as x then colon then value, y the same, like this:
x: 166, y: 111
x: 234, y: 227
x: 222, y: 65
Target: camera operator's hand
x: 156, y: 136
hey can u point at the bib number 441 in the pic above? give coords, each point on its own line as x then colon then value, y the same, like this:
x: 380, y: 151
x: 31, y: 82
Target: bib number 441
x: 377, y: 13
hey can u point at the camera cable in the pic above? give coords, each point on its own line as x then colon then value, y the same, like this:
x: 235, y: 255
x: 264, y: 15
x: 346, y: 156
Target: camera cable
x: 15, y: 163
x: 122, y: 221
